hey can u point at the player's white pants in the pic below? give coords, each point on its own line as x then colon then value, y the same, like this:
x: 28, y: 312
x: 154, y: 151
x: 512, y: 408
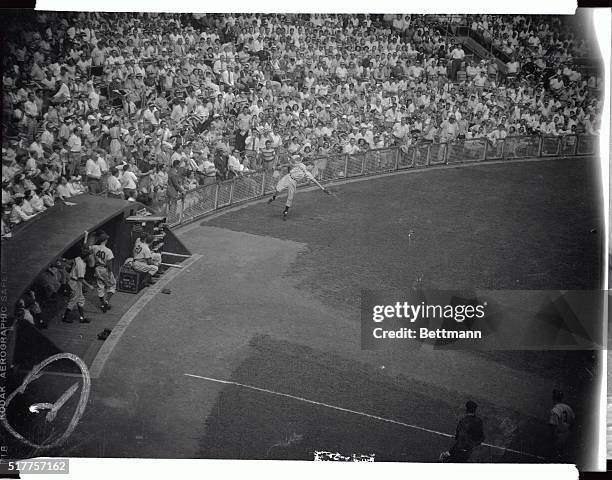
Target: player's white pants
x: 144, y: 267
x: 76, y: 294
x: 287, y: 182
x: 105, y: 281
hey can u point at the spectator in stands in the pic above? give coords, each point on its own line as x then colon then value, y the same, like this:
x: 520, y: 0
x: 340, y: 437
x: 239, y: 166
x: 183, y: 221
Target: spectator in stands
x: 64, y: 189
x: 18, y: 215
x: 47, y: 195
x: 457, y: 56
x: 93, y: 172
x: 235, y: 168
x: 175, y: 189
x: 267, y: 156
x: 115, y: 189
x: 75, y: 147
x: 35, y: 201
x: 129, y: 181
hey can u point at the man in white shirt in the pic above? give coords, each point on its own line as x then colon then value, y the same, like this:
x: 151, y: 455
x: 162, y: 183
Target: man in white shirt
x: 556, y: 83
x: 351, y: 148
x: 401, y: 130
x: 62, y: 94
x: 496, y: 138
x: 480, y: 80
x: 94, y: 98
x: 65, y: 189
x: 148, y: 115
x: 234, y: 165
x: 457, y: 55
x: 115, y: 190
x: 30, y: 108
x: 74, y: 148
x: 18, y: 215
x: 129, y: 182
x: 254, y: 141
x: 210, y: 171
x: 512, y: 69
x: 93, y: 172
x: 449, y: 130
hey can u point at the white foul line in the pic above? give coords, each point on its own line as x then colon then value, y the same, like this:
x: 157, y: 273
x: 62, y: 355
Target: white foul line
x: 375, y: 417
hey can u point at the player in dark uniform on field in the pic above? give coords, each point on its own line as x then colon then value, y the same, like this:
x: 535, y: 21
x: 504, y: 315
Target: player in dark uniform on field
x: 469, y: 435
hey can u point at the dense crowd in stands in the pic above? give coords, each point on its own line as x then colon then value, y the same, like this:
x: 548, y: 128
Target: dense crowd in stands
x: 518, y: 35
x: 147, y: 106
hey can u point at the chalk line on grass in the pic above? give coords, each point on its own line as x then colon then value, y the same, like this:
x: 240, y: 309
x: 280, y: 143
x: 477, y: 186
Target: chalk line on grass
x: 355, y: 412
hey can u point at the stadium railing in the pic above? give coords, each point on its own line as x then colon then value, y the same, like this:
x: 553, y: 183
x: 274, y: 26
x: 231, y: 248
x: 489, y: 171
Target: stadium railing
x: 206, y: 199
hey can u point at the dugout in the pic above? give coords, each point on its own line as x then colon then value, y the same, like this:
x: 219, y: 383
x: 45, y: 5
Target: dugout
x: 58, y: 233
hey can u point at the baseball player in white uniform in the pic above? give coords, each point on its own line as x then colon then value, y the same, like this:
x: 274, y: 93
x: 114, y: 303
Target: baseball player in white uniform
x: 289, y: 182
x: 76, y: 282
x: 105, y: 279
x: 145, y: 261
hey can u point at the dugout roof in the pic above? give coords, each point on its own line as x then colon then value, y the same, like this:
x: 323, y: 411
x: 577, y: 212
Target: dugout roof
x: 37, y: 243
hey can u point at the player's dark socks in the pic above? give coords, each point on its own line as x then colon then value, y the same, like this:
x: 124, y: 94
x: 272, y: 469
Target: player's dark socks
x: 286, y: 211
x: 270, y: 200
x: 66, y: 318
